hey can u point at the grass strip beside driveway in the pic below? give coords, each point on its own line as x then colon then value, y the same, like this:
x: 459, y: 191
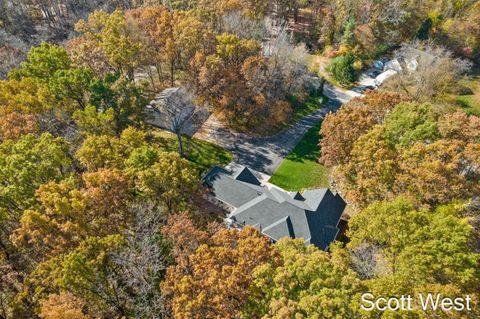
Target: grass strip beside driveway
x: 300, y: 169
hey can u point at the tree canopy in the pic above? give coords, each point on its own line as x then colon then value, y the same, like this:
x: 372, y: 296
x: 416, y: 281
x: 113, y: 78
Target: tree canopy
x: 101, y: 217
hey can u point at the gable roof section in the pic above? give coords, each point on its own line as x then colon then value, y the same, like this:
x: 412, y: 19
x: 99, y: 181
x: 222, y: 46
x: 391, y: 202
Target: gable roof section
x: 170, y: 106
x: 297, y: 196
x: 246, y: 175
x: 331, y: 208
x: 314, y: 197
x: 213, y: 172
x: 232, y: 192
x: 281, y: 228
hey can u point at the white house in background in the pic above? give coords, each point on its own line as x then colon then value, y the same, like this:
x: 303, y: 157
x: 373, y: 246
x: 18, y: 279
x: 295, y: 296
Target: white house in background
x: 401, y: 64
x: 393, y: 65
x: 383, y: 76
x: 411, y: 65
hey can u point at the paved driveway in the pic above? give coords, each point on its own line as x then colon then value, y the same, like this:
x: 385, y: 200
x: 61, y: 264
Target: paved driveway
x: 264, y: 154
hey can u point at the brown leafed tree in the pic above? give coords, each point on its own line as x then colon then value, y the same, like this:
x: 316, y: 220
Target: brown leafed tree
x: 184, y: 235
x: 340, y: 130
x: 14, y: 124
x: 370, y: 173
x: 63, y: 306
x: 440, y: 172
x: 459, y: 125
x: 68, y: 214
x: 215, y: 283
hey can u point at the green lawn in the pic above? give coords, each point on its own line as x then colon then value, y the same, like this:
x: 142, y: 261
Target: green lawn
x: 470, y: 103
x: 300, y: 169
x: 201, y: 154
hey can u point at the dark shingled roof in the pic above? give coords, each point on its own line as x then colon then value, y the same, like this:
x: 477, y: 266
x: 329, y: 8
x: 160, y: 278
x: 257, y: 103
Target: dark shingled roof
x: 280, y: 228
x: 246, y: 175
x: 313, y: 215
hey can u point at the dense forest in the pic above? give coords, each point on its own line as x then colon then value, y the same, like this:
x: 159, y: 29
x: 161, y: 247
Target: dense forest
x: 103, y: 216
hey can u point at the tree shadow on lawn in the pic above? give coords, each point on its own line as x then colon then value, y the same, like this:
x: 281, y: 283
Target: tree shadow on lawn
x: 201, y: 154
x: 307, y: 148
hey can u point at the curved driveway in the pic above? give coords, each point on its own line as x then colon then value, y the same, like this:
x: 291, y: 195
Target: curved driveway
x: 264, y: 154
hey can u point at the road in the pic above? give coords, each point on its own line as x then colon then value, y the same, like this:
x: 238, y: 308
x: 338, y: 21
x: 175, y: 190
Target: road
x: 264, y: 154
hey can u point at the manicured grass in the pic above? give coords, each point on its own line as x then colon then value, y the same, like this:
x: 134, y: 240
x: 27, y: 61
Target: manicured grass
x: 201, y: 154
x: 300, y: 169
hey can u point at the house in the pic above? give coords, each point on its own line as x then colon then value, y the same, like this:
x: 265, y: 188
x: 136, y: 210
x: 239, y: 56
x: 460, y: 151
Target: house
x: 378, y: 64
x: 393, y: 65
x: 397, y: 65
x: 382, y: 77
x: 173, y: 110
x: 313, y: 215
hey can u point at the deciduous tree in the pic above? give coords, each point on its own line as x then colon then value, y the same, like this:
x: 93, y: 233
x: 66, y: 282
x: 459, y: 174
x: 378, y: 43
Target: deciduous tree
x: 63, y: 306
x: 409, y: 123
x: 308, y: 283
x: 72, y: 84
x: 13, y: 125
x: 370, y: 173
x: 435, y: 71
x: 115, y: 36
x: 95, y: 122
x: 68, y: 214
x: 230, y: 257
x: 418, y: 247
x: 106, y: 151
x: 171, y: 181
x: 340, y: 130
x: 26, y: 164
x: 116, y: 94
x: 89, y: 272
x: 438, y: 173
x: 43, y: 62
x: 459, y: 125
x: 25, y: 96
